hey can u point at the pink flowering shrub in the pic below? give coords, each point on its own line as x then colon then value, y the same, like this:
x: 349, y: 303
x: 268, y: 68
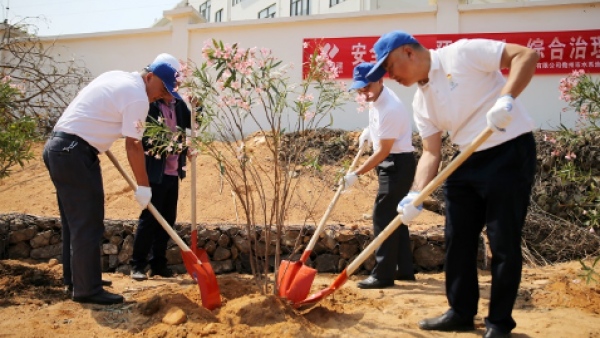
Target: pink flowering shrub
x: 246, y: 95
x: 573, y: 156
x: 582, y: 94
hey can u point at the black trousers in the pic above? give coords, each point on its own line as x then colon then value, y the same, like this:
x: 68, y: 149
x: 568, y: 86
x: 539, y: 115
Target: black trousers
x: 492, y: 187
x: 395, y: 175
x: 74, y: 168
x: 150, y: 237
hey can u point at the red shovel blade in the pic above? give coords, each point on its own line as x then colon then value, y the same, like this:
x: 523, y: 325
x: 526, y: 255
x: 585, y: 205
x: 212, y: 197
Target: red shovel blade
x: 286, y: 274
x: 317, y: 297
x: 299, y: 287
x: 204, y: 275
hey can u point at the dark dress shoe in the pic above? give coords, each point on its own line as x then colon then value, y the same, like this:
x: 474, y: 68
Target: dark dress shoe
x: 494, y: 333
x: 374, y: 283
x: 104, y: 283
x: 163, y: 272
x: 447, y: 322
x: 405, y: 277
x: 103, y: 298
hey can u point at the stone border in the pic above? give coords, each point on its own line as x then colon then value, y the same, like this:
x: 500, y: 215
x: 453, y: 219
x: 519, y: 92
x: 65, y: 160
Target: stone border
x: 38, y: 238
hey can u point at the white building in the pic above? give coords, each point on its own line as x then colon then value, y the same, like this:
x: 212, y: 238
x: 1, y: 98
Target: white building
x: 233, y: 10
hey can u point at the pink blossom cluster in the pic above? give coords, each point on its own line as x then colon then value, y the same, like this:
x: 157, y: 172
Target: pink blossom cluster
x: 568, y: 84
x: 361, y: 99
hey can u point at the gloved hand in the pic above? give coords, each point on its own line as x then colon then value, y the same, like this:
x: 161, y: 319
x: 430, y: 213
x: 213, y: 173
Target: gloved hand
x: 499, y: 117
x: 407, y: 209
x: 349, y: 180
x: 364, y: 136
x: 143, y: 196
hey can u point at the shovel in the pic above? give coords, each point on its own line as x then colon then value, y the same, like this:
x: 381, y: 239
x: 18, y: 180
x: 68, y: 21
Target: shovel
x: 397, y: 221
x: 199, y: 269
x: 295, y: 278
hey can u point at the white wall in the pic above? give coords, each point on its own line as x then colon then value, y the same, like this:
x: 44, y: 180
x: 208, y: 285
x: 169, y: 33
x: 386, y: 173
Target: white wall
x: 132, y: 50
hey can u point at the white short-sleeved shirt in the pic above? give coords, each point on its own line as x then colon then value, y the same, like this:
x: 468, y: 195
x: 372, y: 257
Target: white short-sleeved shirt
x: 389, y: 120
x: 464, y: 83
x: 113, y: 104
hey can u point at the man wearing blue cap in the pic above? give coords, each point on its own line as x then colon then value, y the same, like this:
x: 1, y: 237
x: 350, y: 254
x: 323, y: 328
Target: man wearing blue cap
x: 114, y: 104
x: 461, y: 90
x: 390, y: 132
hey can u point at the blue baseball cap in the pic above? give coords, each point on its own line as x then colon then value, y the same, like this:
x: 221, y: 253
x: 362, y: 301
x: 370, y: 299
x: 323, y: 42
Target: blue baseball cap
x: 359, y: 76
x: 167, y: 74
x: 384, y: 46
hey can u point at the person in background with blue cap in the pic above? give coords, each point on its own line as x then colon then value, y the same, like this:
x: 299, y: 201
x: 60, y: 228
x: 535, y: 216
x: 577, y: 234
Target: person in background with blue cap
x: 461, y: 90
x: 114, y: 104
x: 164, y: 174
x: 390, y: 132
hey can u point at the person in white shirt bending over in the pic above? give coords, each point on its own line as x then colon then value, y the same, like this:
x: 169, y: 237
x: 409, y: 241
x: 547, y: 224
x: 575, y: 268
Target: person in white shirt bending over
x: 461, y: 90
x: 114, y: 104
x: 390, y: 132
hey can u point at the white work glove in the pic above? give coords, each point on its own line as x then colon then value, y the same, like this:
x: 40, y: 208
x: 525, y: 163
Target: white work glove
x: 407, y: 209
x: 143, y: 196
x: 499, y: 117
x: 364, y: 136
x: 349, y: 180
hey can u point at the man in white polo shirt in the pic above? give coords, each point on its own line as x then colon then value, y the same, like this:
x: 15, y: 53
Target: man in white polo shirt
x: 391, y: 134
x: 114, y: 104
x: 461, y: 90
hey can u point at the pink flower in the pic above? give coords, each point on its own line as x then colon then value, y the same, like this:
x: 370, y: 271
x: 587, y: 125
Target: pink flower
x: 139, y: 126
x: 160, y: 119
x: 150, y: 141
x: 308, y: 115
x: 305, y: 45
x: 157, y: 156
x: 265, y: 51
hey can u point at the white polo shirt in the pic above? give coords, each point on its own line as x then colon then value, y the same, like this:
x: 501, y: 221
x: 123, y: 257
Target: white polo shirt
x: 389, y: 120
x: 113, y: 104
x: 464, y: 83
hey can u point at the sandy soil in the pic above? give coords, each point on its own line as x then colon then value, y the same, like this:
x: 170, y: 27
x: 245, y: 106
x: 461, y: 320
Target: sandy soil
x: 552, y: 302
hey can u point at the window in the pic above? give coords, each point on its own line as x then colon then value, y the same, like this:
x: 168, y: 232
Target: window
x: 299, y: 7
x: 235, y: 2
x: 335, y: 2
x: 205, y: 10
x: 219, y: 15
x: 268, y: 12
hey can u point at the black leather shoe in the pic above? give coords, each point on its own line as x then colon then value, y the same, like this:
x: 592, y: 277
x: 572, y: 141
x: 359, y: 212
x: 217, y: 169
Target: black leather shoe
x: 163, y: 272
x: 447, y: 322
x: 103, y: 298
x: 374, y: 283
x: 405, y: 277
x: 494, y: 333
x: 104, y: 283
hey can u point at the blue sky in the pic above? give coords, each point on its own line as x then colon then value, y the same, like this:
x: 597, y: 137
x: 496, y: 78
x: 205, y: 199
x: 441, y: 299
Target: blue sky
x: 85, y: 16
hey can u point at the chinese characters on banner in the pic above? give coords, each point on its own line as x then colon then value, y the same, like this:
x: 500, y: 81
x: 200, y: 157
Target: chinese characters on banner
x: 560, y: 52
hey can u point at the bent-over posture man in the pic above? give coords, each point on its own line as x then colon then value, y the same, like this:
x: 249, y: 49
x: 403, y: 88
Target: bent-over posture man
x: 461, y: 90
x: 390, y: 132
x: 114, y: 104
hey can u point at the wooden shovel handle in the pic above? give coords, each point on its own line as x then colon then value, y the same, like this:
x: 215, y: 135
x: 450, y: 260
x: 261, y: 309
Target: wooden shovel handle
x: 321, y: 226
x: 151, y: 207
x: 437, y: 181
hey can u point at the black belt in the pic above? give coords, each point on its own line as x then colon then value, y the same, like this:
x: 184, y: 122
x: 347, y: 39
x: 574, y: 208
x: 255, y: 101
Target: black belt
x: 73, y: 137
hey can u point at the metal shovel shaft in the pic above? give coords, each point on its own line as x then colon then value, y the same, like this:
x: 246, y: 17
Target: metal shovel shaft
x: 151, y: 207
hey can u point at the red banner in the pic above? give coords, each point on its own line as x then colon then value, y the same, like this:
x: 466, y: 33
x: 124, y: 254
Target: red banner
x: 560, y: 52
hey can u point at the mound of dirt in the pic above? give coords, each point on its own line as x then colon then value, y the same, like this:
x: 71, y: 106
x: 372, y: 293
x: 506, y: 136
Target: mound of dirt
x: 552, y: 302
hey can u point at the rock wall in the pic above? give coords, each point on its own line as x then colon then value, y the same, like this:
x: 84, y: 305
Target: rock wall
x: 39, y: 238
